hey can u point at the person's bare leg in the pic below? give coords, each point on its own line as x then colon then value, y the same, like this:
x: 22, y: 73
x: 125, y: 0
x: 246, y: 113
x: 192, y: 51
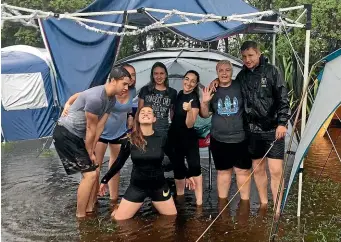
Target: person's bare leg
x: 93, y: 195
x: 198, y: 189
x: 126, y: 210
x: 224, y: 182
x: 243, y: 176
x: 261, y: 179
x: 99, y: 151
x: 114, y: 182
x: 276, y: 168
x: 84, y: 192
x: 180, y: 186
x: 166, y: 207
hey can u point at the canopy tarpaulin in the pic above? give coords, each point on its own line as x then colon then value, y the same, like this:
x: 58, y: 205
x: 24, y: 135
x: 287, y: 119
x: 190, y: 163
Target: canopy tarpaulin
x: 82, y: 57
x: 327, y: 100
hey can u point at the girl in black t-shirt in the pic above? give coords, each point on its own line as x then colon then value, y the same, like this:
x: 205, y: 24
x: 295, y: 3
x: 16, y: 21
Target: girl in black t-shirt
x: 183, y: 136
x: 159, y: 96
x: 146, y: 147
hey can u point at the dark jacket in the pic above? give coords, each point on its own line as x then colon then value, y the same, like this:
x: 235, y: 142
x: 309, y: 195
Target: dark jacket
x: 265, y: 97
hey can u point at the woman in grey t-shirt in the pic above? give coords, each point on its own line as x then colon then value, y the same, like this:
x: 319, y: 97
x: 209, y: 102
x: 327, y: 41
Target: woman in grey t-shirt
x: 228, y: 143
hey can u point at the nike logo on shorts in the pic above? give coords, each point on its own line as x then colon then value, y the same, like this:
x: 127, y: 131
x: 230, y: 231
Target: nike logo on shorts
x: 165, y: 194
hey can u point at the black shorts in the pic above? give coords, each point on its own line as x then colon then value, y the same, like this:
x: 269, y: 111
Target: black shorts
x: 116, y: 141
x: 228, y: 155
x: 72, y: 152
x: 186, y: 147
x: 138, y: 195
x: 260, y: 143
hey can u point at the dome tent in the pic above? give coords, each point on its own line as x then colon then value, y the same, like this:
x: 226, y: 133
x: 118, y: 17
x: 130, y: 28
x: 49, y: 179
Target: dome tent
x: 28, y: 98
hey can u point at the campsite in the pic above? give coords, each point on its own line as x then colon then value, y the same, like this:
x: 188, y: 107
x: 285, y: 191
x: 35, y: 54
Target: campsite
x: 50, y: 52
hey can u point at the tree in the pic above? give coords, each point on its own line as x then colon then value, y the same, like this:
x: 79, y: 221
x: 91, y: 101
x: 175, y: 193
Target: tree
x: 15, y: 33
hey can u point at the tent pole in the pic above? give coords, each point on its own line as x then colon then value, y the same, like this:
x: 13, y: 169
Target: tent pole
x: 274, y: 49
x: 125, y: 16
x: 54, y: 82
x: 304, y: 106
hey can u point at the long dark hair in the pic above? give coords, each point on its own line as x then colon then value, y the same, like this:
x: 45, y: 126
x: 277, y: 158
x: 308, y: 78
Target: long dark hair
x: 136, y: 137
x: 151, y: 84
x: 128, y: 65
x: 196, y: 89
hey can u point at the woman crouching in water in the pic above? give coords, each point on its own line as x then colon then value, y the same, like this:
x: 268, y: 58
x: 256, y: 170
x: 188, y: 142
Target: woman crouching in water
x: 146, y: 147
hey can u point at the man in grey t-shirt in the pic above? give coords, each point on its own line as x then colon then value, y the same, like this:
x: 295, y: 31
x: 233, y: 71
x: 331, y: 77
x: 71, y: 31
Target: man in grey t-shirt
x: 227, y: 140
x: 85, y: 120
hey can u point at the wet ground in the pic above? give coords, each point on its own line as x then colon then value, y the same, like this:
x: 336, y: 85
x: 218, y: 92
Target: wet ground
x: 38, y: 203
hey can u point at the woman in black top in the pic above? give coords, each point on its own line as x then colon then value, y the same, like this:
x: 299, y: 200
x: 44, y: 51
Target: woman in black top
x: 147, y: 178
x: 160, y: 96
x: 183, y: 137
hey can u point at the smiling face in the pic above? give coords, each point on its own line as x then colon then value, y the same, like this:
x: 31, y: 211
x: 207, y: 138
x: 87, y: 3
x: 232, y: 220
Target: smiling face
x: 146, y: 116
x: 224, y: 72
x: 190, y: 82
x: 159, y: 75
x: 250, y: 57
x: 132, y: 73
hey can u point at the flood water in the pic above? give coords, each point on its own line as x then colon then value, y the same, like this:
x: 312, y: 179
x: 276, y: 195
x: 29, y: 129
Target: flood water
x: 38, y: 203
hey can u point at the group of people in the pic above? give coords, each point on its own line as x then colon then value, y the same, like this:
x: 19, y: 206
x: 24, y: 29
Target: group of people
x: 249, y: 117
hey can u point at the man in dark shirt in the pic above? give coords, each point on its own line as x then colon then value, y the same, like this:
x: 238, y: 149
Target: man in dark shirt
x: 267, y: 113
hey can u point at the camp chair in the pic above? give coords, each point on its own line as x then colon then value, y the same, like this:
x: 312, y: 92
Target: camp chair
x: 202, y: 127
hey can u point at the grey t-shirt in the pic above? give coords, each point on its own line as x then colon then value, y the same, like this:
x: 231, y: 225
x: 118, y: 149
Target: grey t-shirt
x: 227, y: 114
x: 93, y: 100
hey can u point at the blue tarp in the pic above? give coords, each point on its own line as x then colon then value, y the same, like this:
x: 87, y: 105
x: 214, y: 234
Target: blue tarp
x: 26, y: 123
x: 83, y: 58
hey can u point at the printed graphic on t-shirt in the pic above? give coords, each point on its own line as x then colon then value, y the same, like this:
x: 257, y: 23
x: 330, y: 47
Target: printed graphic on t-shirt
x: 227, y: 108
x: 159, y: 103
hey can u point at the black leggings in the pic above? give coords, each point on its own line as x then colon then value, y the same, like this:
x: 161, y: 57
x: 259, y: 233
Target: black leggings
x: 189, y: 148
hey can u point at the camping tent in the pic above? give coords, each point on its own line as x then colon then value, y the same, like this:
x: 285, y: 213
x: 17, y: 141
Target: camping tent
x: 178, y: 61
x: 86, y: 56
x: 327, y: 100
x: 29, y: 103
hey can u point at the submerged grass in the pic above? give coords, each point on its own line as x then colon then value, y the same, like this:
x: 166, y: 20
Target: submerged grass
x: 321, y: 212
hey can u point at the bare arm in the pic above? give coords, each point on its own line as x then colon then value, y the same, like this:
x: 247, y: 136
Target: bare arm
x: 91, y: 126
x: 191, y: 117
x: 69, y: 102
x: 73, y: 98
x: 206, y: 98
x: 100, y: 128
x: 204, y: 110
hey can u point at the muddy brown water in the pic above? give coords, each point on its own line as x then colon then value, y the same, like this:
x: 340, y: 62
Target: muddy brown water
x: 38, y: 203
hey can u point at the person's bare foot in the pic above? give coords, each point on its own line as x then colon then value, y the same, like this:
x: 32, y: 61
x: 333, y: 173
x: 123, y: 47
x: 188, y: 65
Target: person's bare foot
x: 114, y: 212
x: 80, y: 215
